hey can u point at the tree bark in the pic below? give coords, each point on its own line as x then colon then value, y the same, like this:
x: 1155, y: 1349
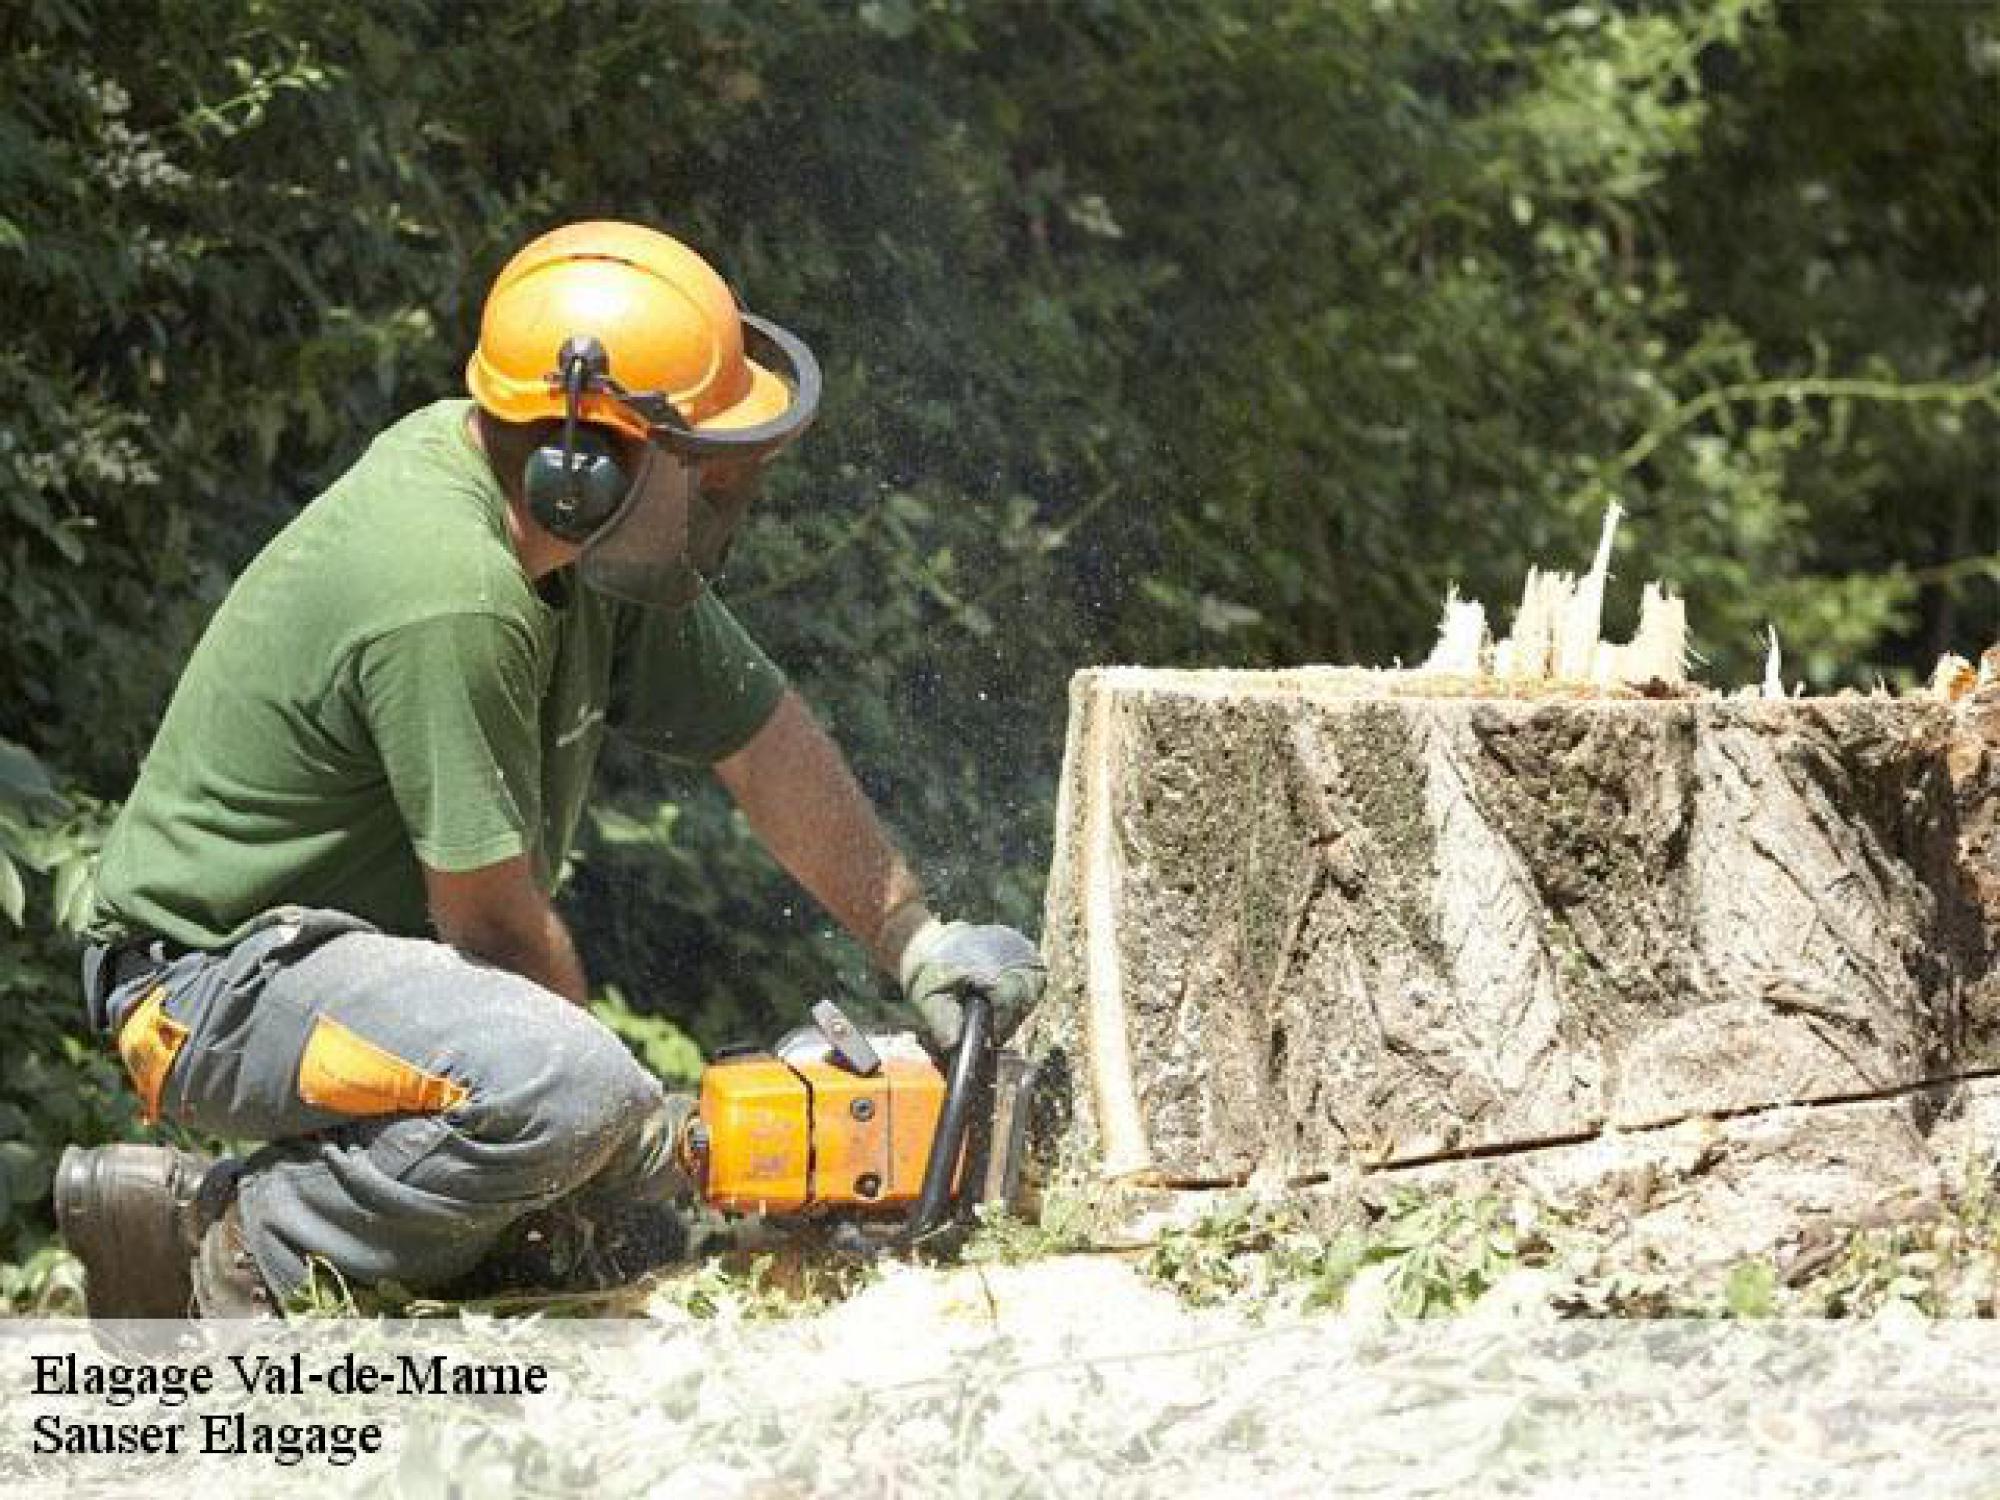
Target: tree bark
x: 1303, y: 920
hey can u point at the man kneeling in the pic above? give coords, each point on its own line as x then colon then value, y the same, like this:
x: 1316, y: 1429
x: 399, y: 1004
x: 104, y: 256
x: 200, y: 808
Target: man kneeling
x: 324, y: 917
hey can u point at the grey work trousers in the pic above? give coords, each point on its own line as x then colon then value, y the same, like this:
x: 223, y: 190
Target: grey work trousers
x: 416, y: 1102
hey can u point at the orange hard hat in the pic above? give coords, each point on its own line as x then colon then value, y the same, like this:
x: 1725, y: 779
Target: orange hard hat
x: 671, y: 335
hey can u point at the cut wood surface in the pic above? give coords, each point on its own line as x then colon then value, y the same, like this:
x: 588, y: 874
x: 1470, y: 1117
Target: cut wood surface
x: 1299, y: 920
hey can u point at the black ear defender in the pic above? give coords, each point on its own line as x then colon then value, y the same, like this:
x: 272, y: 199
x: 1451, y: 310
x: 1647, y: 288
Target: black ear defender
x: 573, y: 488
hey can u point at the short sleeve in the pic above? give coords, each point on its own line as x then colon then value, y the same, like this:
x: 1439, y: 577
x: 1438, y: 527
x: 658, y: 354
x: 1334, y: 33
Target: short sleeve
x: 691, y: 684
x: 452, y: 704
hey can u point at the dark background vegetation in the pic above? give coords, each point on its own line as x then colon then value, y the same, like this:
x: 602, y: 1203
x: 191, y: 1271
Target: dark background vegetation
x: 1175, y: 331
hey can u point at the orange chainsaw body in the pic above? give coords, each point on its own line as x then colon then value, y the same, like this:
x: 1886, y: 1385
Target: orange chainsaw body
x: 801, y: 1134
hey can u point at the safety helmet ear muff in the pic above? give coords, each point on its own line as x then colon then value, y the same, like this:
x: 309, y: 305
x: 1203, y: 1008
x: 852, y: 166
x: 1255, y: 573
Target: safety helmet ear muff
x: 654, y: 350
x: 573, y: 487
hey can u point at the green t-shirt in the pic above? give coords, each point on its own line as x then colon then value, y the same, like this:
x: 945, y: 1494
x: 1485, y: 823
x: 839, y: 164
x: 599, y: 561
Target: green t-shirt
x: 383, y: 685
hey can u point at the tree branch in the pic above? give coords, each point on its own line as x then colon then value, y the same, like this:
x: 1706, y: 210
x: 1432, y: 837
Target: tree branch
x: 1803, y: 388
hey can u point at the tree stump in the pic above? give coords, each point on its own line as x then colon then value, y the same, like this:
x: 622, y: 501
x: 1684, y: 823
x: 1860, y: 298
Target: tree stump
x: 1305, y: 923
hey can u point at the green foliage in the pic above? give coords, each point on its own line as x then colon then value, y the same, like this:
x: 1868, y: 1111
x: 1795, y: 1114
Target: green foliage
x: 1751, y: 1290
x: 1222, y: 1255
x: 1446, y: 1253
x: 1001, y: 1238
x: 661, y: 1045
x: 47, y: 1283
x: 1946, y: 1266
x: 1436, y: 1255
x: 1160, y: 330
x: 43, y: 834
x: 757, y: 1287
x: 55, y: 1086
x: 696, y: 923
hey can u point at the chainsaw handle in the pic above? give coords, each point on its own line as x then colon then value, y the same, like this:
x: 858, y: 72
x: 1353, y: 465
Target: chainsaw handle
x: 968, y: 1089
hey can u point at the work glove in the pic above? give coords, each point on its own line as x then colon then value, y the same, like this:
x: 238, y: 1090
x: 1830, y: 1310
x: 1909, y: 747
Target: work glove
x: 946, y: 960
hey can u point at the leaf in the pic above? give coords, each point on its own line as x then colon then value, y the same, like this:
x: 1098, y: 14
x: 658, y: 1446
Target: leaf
x: 1751, y: 1290
x: 24, y: 1172
x: 13, y: 895
x: 75, y: 893
x: 22, y: 777
x: 622, y: 830
x: 1222, y: 616
x: 894, y: 19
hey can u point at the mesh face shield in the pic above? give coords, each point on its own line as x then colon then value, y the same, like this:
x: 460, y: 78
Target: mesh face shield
x: 673, y: 531
x: 672, y: 534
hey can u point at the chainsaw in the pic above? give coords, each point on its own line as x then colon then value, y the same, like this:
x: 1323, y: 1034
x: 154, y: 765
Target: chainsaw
x: 863, y: 1136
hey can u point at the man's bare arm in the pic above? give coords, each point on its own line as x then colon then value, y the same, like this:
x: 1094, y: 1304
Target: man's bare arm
x: 795, y: 787
x: 499, y: 914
